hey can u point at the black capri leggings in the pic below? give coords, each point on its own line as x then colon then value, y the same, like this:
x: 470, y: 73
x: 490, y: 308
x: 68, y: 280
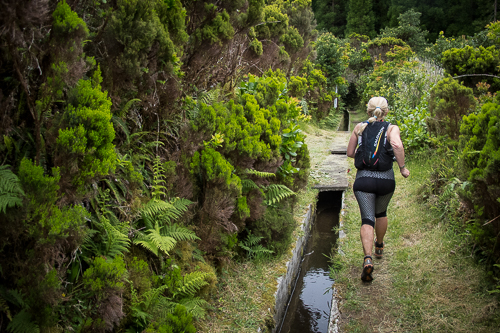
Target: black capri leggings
x: 373, y: 196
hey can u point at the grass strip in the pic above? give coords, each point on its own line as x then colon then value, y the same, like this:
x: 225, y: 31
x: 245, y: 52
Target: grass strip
x: 426, y: 282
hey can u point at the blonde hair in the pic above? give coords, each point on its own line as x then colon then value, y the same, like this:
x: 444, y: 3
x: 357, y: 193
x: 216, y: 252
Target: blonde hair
x: 377, y: 109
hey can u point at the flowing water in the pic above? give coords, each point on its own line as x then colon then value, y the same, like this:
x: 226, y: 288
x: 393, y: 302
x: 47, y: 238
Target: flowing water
x: 309, y: 307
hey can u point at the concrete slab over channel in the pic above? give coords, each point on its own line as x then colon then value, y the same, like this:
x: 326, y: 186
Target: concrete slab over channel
x: 335, y: 165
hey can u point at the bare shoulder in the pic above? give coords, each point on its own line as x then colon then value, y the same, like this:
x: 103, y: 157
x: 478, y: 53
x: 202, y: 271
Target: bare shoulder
x: 393, y: 128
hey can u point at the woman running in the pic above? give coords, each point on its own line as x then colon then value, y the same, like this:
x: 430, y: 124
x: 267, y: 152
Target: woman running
x: 375, y: 183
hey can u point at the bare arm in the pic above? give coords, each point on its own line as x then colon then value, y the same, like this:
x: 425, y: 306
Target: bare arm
x: 399, y: 152
x: 353, y: 143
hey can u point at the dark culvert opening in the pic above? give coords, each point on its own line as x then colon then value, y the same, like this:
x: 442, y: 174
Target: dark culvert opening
x: 308, y: 308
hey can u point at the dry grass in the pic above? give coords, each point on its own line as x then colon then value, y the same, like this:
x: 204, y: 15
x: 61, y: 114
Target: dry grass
x: 424, y: 283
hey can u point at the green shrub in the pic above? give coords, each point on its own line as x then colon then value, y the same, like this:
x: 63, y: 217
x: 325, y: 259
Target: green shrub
x: 480, y: 143
x: 104, y: 277
x: 85, y: 142
x: 45, y: 221
x: 275, y: 227
x: 449, y: 102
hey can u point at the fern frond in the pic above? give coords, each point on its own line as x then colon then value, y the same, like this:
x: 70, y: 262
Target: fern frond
x: 119, y: 122
x: 21, y: 323
x: 112, y: 186
x: 158, y: 181
x: 198, y: 255
x: 181, y: 204
x: 248, y: 185
x: 10, y: 189
x: 191, y: 283
x: 15, y: 297
x: 116, y: 242
x: 277, y: 192
x: 179, y: 233
x: 252, y: 240
x: 209, y: 97
x: 4, y: 308
x: 128, y: 105
x: 147, y: 243
x: 164, y: 243
x: 195, y: 306
x: 153, y: 296
x: 159, y: 210
x: 155, y: 207
x: 261, y: 174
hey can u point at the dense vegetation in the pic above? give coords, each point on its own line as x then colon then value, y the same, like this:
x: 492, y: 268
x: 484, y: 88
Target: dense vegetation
x: 145, y: 144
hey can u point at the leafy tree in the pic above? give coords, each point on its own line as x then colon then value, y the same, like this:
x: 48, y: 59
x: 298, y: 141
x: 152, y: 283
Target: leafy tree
x: 472, y: 61
x: 331, y: 16
x: 361, y: 18
x: 408, y: 30
x: 449, y: 102
x: 480, y: 165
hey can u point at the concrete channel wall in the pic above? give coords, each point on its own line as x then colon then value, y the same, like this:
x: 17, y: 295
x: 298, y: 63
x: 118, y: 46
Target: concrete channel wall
x: 287, y: 282
x: 335, y: 166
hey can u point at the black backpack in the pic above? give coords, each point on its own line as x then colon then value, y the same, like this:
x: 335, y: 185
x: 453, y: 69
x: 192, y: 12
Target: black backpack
x: 372, y: 153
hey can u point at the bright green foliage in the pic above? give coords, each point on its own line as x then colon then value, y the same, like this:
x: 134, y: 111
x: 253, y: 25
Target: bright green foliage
x: 408, y: 30
x: 179, y: 321
x: 45, y: 221
x: 297, y: 86
x: 494, y: 32
x: 247, y: 128
x: 141, y: 25
x: 212, y: 166
x: 254, y: 12
x: 276, y: 22
x: 292, y: 39
x: 480, y: 143
x: 470, y: 60
x: 218, y: 29
x: 379, y: 47
x: 332, y: 57
x: 10, y: 190
x: 449, y: 102
x: 67, y: 21
x: 361, y: 18
x: 253, y: 248
x: 104, y: 277
x: 383, y: 79
x: 86, y: 142
x: 256, y: 46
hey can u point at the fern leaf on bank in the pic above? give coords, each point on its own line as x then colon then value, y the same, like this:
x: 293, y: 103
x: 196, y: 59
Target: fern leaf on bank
x: 261, y: 174
x: 22, y: 323
x: 10, y: 189
x: 181, y: 204
x: 277, y: 192
x: 154, y: 241
x: 209, y: 97
x: 248, y: 185
x: 147, y: 243
x: 116, y: 243
x: 195, y: 306
x: 168, y: 212
x: 191, y: 283
x: 179, y: 233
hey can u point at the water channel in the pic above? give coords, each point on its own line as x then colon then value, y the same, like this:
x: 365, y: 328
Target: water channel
x: 308, y: 309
